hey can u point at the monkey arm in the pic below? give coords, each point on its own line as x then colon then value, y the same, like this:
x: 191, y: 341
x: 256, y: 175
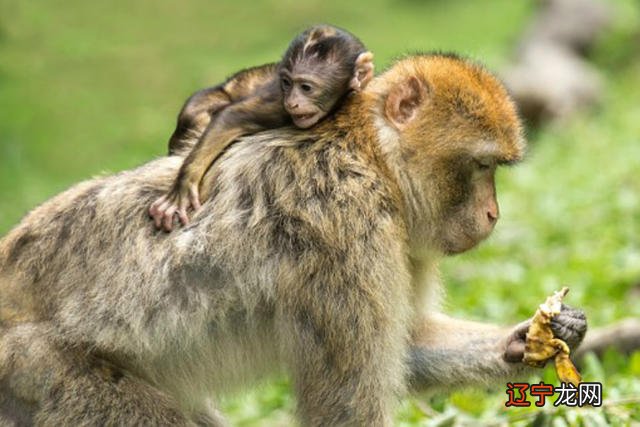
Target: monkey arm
x: 451, y: 352
x: 195, y: 116
x: 353, y: 322
x: 247, y: 116
x: 203, y: 106
x: 184, y: 192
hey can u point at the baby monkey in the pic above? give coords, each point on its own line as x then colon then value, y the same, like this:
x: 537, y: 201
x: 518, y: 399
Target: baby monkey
x: 319, y: 69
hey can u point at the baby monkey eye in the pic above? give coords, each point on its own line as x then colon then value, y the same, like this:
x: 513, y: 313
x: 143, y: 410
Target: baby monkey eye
x: 306, y: 87
x: 286, y: 83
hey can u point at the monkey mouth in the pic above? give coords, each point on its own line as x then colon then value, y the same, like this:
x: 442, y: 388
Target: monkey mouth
x: 304, y: 121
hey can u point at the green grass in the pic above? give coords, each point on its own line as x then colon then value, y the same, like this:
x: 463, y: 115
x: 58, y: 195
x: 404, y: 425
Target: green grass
x: 93, y: 87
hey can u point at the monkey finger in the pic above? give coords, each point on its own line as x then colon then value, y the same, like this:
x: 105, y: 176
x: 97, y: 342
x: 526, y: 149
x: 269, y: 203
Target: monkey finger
x: 183, y: 204
x: 157, y: 219
x: 521, y: 329
x: 570, y: 325
x: 167, y: 222
x: 159, y: 213
x: 182, y: 214
x: 575, y: 313
x: 194, y: 197
x: 514, y: 352
x: 153, y: 209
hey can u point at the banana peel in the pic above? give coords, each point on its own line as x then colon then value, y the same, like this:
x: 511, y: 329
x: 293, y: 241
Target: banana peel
x: 541, y: 345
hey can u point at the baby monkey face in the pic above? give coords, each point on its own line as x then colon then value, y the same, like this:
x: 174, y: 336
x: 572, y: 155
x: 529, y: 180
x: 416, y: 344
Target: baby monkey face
x: 320, y: 67
x: 308, y: 97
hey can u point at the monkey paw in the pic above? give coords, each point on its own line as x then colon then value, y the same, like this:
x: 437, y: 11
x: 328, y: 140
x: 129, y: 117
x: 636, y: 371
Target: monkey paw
x: 570, y: 326
x: 174, y: 203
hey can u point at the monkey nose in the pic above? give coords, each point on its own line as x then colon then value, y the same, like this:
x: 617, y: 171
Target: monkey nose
x: 292, y: 106
x: 493, y: 215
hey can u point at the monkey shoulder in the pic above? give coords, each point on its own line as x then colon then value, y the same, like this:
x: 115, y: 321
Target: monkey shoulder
x: 250, y: 81
x: 310, y: 190
x: 259, y: 71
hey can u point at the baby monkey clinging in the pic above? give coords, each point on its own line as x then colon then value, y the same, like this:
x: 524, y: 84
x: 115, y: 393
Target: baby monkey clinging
x: 321, y: 66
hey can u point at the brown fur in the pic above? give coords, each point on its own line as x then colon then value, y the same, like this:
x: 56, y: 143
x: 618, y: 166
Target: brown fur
x: 320, y: 67
x: 316, y: 253
x: 202, y: 106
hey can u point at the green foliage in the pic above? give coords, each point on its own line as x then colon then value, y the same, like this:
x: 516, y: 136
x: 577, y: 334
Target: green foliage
x: 93, y: 87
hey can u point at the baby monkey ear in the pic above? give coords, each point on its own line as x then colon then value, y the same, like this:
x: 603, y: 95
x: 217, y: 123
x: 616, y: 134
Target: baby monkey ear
x: 404, y: 100
x: 362, y: 71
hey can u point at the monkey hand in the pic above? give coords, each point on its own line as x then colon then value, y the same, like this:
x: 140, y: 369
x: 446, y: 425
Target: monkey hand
x: 569, y: 325
x: 176, y: 202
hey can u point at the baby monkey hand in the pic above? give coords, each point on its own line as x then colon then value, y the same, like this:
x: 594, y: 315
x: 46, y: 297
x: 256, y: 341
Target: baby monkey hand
x: 182, y: 197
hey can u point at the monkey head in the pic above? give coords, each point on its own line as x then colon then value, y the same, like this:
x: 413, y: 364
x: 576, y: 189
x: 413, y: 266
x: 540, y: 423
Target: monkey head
x: 319, y: 68
x: 454, y: 124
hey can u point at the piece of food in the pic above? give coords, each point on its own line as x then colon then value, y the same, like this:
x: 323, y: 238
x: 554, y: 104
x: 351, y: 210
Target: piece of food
x: 541, y: 345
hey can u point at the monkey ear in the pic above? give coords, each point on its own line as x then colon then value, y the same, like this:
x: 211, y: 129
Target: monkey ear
x: 403, y: 101
x: 362, y: 72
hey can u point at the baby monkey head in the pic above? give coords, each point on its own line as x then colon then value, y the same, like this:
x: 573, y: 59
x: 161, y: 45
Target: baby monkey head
x: 319, y: 68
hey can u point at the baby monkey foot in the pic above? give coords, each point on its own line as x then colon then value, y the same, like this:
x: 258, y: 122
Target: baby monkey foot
x: 174, y: 203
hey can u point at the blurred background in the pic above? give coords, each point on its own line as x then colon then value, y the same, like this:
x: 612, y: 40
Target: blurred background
x: 88, y: 88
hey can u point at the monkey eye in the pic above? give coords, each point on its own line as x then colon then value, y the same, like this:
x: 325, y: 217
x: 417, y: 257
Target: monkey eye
x: 286, y: 83
x: 483, y: 164
x: 306, y: 87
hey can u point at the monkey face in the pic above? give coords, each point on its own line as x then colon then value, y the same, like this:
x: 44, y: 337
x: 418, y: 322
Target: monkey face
x: 454, y: 138
x: 304, y: 100
x: 312, y: 88
x: 469, y: 209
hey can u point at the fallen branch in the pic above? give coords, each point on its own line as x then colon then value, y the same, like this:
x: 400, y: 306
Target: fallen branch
x: 623, y: 336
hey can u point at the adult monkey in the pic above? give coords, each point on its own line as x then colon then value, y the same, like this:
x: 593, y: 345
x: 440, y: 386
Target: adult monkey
x: 315, y: 253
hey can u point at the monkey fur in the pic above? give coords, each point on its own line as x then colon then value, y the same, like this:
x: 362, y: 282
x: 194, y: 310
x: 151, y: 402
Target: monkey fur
x: 320, y: 67
x: 315, y: 254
